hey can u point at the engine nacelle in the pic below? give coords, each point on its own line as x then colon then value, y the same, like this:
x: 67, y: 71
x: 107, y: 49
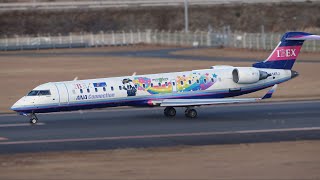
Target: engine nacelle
x: 248, y: 75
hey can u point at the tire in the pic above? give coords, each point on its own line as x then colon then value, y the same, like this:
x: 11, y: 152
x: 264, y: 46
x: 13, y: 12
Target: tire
x: 170, y: 112
x: 33, y: 121
x: 191, y: 113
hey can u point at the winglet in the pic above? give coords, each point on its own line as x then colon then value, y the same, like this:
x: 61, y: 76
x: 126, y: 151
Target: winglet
x: 270, y: 92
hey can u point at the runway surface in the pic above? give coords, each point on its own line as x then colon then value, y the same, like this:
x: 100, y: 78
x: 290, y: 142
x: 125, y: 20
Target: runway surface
x: 162, y: 54
x: 147, y: 127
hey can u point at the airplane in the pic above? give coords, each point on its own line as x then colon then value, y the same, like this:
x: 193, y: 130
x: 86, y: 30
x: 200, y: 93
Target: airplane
x: 189, y: 89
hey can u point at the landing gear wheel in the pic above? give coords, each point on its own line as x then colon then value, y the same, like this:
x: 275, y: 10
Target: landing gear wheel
x: 170, y: 112
x: 191, y: 113
x: 33, y: 120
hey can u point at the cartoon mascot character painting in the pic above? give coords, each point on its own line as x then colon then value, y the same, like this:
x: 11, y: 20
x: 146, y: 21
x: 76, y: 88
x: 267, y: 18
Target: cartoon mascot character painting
x: 129, y: 87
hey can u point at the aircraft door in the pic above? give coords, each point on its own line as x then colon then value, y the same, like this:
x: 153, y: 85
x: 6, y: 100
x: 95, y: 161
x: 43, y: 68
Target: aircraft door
x: 63, y: 93
x: 174, y: 85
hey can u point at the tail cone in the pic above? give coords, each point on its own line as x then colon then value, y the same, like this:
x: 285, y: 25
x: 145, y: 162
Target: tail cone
x: 294, y: 74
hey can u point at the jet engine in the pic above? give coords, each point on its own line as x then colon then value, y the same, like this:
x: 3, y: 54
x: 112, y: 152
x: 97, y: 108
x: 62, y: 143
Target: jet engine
x: 248, y: 75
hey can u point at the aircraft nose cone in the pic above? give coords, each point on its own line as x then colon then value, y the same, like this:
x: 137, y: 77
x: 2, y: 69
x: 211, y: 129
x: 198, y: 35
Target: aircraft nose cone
x: 294, y: 74
x: 17, y: 105
x: 13, y: 107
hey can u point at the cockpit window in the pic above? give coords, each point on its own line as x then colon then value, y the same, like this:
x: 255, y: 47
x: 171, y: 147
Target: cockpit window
x: 44, y: 93
x: 33, y: 93
x: 39, y: 93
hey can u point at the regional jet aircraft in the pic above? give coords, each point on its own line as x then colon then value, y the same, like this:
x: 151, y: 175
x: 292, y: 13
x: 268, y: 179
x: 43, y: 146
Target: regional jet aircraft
x: 187, y: 89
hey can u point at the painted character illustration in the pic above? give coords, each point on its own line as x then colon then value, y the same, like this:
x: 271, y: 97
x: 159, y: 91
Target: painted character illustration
x: 129, y: 87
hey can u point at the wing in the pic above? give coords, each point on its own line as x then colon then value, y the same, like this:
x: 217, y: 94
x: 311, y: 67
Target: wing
x: 199, y: 102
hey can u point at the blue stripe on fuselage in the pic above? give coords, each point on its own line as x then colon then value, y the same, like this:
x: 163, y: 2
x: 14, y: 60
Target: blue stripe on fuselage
x: 142, y: 101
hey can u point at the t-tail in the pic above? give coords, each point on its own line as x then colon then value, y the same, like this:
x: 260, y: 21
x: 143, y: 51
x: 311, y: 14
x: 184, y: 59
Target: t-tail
x: 287, y: 51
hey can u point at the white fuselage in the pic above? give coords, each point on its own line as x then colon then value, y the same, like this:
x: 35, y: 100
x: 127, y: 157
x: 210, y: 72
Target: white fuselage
x: 142, y: 90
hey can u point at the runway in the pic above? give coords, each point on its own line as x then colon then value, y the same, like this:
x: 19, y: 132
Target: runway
x: 132, y: 127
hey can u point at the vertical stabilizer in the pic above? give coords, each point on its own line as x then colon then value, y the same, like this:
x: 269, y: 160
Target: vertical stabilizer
x: 287, y: 51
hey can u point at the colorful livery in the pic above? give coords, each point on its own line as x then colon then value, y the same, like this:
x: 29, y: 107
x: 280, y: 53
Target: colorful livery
x: 175, y: 89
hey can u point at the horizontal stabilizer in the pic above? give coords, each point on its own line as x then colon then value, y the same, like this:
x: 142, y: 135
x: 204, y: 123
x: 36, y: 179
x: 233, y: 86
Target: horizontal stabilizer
x: 304, y: 37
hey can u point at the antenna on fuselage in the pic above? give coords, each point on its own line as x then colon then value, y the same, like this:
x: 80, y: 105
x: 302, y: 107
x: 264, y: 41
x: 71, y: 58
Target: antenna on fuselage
x: 76, y: 78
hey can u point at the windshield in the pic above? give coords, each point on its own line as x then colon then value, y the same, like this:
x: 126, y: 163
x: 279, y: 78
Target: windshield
x: 44, y: 93
x: 33, y: 93
x: 39, y: 93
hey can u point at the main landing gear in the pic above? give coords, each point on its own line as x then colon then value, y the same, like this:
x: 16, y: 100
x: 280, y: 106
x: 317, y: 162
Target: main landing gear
x: 170, y: 111
x: 189, y: 112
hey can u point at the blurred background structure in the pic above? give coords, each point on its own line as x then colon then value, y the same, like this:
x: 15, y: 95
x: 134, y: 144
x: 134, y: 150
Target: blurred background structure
x: 8, y: 5
x: 223, y: 38
x: 256, y: 24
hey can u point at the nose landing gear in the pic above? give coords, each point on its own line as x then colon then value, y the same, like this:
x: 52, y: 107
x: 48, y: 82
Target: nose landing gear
x: 33, y: 118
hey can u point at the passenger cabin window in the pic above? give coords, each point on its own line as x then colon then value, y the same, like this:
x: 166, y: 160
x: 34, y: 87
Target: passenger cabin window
x: 81, y: 91
x: 159, y: 84
x: 205, y: 80
x: 88, y: 90
x: 166, y: 83
x: 212, y: 80
x: 151, y: 84
x: 39, y: 93
x: 111, y: 88
x: 104, y: 88
x: 189, y: 81
x: 96, y: 89
x: 120, y: 88
x: 136, y: 85
x: 181, y: 82
x: 198, y: 81
x: 173, y: 83
x: 143, y: 85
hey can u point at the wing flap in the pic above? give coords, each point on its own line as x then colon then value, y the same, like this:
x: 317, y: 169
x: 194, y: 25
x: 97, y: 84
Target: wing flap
x: 199, y: 102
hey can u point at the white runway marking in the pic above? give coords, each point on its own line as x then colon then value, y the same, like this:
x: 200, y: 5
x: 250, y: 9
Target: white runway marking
x: 298, y: 112
x: 20, y: 124
x: 3, y: 139
x: 160, y: 136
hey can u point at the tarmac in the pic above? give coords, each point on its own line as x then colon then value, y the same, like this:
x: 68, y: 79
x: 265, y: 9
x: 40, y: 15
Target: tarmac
x: 160, y: 53
x: 116, y: 128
